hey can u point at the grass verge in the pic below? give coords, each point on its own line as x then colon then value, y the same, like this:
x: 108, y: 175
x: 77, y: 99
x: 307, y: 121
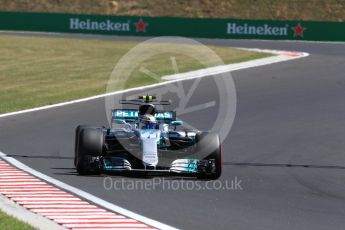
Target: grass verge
x: 10, y: 223
x: 38, y: 71
x: 329, y: 10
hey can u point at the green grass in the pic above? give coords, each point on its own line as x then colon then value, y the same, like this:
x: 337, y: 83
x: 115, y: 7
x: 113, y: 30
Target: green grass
x: 329, y: 10
x: 38, y: 71
x: 11, y: 223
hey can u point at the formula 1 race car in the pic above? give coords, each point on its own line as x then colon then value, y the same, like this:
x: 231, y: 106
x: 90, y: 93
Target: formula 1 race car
x: 147, y: 140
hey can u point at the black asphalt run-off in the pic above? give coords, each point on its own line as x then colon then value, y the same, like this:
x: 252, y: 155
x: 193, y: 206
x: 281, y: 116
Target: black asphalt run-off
x: 286, y: 147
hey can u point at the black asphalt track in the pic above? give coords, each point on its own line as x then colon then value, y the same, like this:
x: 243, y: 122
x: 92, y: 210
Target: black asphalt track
x: 286, y: 148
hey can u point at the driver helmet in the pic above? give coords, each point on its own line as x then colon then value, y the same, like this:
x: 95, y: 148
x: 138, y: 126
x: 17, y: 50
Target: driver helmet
x: 149, y: 121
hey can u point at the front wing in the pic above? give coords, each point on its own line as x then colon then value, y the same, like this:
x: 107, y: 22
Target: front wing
x: 178, y: 166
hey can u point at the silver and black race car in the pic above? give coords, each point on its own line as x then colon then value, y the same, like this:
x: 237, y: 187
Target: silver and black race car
x: 148, y: 141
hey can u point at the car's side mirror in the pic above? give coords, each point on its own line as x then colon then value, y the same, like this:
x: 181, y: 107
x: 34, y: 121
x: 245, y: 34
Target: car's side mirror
x: 176, y: 123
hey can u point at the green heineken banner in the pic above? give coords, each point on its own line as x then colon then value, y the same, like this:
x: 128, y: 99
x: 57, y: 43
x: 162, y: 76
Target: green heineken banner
x: 167, y: 26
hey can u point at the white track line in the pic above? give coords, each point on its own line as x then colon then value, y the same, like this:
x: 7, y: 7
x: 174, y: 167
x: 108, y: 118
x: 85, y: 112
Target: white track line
x: 55, y: 205
x: 41, y: 195
x: 13, y: 174
x: 66, y: 211
x: 65, y: 202
x: 281, y: 57
x: 38, y: 222
x: 105, y: 228
x: 18, y: 180
x: 6, y: 170
x: 60, y: 215
x: 107, y: 37
x: 126, y: 225
x: 89, y: 216
x: 20, y: 183
x: 9, y: 193
x: 17, y: 177
x: 46, y: 199
x: 69, y: 221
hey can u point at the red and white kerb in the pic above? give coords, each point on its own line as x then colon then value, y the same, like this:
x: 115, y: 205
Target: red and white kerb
x: 57, y: 205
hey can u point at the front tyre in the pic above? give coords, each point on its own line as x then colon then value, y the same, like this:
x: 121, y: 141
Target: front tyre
x: 89, y: 147
x: 208, y: 144
x: 76, y: 145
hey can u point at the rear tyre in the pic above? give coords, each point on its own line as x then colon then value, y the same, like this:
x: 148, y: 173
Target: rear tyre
x: 206, y: 143
x: 89, y: 147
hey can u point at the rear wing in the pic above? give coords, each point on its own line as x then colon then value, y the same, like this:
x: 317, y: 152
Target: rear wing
x: 132, y: 114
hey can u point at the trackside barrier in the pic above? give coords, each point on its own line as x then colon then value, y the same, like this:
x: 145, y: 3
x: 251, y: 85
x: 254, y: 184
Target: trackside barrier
x: 170, y: 26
